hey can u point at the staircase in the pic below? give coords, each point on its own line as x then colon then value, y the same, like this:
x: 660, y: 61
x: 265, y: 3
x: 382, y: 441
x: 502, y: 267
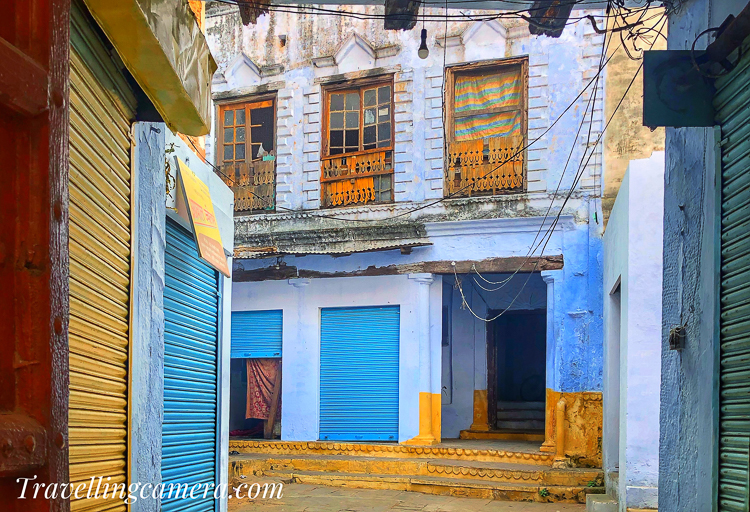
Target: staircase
x: 446, y: 470
x: 520, y: 416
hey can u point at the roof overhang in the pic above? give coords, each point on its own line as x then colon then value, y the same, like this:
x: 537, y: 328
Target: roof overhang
x: 332, y: 242
x: 160, y: 43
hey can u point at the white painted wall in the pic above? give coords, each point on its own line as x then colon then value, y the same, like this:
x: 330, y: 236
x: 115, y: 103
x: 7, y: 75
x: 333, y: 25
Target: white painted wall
x: 301, y: 301
x: 319, y: 47
x: 633, y: 258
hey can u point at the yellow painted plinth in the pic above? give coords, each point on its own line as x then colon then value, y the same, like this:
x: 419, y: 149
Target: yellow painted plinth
x: 481, y: 410
x: 500, y: 436
x: 583, y: 426
x: 430, y: 418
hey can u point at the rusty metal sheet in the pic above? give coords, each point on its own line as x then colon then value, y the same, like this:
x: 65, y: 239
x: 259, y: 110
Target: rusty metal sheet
x: 163, y: 47
x: 23, y: 443
x: 349, y: 240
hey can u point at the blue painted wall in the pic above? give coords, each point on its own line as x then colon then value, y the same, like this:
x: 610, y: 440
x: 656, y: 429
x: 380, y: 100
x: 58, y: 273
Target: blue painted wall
x: 689, y: 402
x: 575, y: 363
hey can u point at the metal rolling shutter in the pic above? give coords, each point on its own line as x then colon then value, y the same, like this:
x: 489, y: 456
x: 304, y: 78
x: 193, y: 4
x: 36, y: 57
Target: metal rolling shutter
x: 732, y: 102
x: 359, y: 354
x: 191, y: 328
x: 101, y: 110
x: 256, y: 334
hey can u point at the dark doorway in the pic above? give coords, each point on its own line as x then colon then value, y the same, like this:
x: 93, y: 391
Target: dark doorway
x: 516, y: 370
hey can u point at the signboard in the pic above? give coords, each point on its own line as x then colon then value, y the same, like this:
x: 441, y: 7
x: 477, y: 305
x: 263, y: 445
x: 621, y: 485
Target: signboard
x: 197, y: 203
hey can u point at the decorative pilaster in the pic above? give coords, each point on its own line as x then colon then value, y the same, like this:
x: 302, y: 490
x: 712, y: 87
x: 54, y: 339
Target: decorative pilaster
x: 429, y: 402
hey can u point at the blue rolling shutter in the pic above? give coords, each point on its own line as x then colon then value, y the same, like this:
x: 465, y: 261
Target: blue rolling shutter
x: 256, y: 334
x: 191, y: 299
x: 359, y: 350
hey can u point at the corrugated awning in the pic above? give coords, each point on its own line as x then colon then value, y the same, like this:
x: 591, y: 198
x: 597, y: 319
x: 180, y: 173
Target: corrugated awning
x: 331, y: 242
x: 164, y: 49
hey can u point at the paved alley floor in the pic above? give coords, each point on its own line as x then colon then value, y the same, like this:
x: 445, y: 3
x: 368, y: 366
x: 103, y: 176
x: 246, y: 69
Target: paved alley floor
x: 311, y: 498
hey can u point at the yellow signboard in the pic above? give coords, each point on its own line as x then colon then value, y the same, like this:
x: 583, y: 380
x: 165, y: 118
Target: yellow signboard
x: 201, y: 211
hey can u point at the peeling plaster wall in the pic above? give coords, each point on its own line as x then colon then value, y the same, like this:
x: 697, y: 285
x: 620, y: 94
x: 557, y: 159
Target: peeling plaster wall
x: 301, y: 300
x: 558, y: 70
x: 688, y: 448
x: 626, y: 138
x: 633, y: 247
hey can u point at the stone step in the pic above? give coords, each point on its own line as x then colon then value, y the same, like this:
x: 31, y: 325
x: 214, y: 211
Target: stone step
x: 601, y: 503
x: 521, y: 425
x: 442, y: 485
x: 515, y: 451
x: 520, y: 414
x: 504, y: 435
x: 534, y: 406
x: 261, y: 464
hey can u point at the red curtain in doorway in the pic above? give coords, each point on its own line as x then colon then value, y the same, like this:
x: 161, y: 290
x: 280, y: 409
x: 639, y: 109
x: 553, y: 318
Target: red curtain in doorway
x: 261, y: 375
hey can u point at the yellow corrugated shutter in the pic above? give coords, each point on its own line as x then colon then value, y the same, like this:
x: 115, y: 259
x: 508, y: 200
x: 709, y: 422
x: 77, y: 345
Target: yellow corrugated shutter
x: 100, y: 274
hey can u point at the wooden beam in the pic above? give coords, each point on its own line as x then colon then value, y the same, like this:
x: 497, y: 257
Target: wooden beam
x: 34, y: 373
x: 486, y: 266
x: 23, y: 82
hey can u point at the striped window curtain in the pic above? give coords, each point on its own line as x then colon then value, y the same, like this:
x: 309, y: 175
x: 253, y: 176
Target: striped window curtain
x: 496, y: 99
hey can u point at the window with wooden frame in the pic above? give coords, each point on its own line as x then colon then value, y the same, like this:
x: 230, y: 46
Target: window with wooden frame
x: 486, y: 127
x: 247, y: 152
x: 357, y: 159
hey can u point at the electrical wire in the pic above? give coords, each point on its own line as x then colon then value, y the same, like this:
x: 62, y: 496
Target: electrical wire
x: 456, y: 192
x: 532, y: 248
x: 448, y: 196
x: 591, y: 103
x: 582, y: 166
x: 311, y: 9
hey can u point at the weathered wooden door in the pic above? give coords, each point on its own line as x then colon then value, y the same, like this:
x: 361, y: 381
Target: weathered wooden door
x: 33, y: 248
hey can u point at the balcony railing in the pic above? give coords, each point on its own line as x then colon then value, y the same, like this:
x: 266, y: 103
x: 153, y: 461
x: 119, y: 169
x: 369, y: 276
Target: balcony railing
x: 254, y: 185
x: 485, y: 166
x: 357, y: 178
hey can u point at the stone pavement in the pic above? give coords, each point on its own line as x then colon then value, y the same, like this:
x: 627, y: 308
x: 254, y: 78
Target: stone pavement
x: 312, y: 498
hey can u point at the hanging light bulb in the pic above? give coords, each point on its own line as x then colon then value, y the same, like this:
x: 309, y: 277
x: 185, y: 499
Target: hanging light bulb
x: 423, y: 51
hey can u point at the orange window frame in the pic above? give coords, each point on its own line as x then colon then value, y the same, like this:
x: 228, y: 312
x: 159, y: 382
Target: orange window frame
x: 351, y: 87
x: 246, y: 107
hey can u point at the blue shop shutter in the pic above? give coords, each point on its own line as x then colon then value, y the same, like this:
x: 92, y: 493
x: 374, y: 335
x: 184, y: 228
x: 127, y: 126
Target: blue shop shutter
x: 359, y: 352
x: 256, y: 334
x: 189, y: 434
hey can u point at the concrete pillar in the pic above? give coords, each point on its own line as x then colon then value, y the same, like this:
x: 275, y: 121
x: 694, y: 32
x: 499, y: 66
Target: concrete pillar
x: 549, y: 435
x: 429, y: 400
x: 480, y: 421
x: 147, y: 331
